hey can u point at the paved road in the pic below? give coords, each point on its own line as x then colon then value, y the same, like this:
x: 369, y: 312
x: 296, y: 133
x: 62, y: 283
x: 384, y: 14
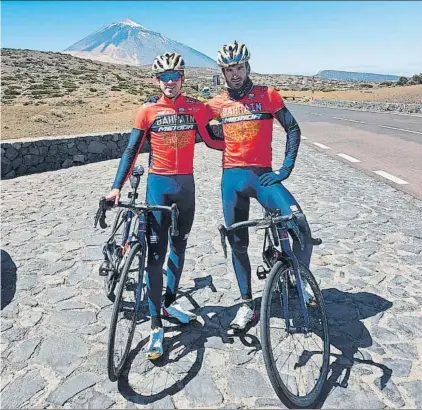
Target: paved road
x: 386, y: 146
x: 55, y: 317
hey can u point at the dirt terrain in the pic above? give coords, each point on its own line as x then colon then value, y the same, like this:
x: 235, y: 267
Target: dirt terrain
x: 52, y: 94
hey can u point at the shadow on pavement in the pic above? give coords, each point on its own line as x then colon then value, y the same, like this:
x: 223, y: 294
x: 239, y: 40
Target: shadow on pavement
x: 184, y: 345
x: 8, y: 279
x: 345, y: 310
x: 184, y: 350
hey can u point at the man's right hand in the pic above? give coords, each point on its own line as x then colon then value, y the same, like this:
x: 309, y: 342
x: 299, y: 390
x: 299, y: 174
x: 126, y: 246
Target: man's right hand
x: 114, y: 195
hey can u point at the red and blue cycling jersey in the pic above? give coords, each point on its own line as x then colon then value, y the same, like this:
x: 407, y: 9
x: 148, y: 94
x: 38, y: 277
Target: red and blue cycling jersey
x: 170, y: 126
x: 247, y: 126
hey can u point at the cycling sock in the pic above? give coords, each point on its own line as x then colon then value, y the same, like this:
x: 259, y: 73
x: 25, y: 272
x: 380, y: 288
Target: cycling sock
x: 156, y: 322
x: 169, y: 298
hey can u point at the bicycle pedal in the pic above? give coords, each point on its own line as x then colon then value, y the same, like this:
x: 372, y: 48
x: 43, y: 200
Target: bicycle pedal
x: 261, y: 272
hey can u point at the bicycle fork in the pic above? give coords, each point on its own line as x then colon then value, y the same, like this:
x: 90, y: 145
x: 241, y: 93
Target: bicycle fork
x: 287, y: 250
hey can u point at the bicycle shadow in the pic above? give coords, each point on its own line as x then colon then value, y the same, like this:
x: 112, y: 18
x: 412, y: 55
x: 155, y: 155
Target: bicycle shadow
x: 184, y: 345
x: 8, y: 279
x: 345, y: 310
x: 184, y: 350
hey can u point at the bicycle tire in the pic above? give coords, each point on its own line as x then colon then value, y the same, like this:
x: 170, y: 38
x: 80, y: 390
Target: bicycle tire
x: 115, y: 369
x: 281, y: 389
x: 111, y: 282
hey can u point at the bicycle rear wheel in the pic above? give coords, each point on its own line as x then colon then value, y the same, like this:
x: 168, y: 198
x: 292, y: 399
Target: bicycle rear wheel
x: 124, y: 314
x: 296, y: 363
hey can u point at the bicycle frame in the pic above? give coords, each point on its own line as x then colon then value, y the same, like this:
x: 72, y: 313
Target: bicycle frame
x: 288, y: 254
x: 141, y: 238
x: 276, y: 227
x: 142, y: 256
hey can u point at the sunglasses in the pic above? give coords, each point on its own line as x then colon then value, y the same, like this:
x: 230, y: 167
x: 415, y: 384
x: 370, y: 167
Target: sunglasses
x: 174, y: 76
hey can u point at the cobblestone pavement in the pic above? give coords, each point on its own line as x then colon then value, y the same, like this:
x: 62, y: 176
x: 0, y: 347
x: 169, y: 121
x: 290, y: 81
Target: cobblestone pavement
x: 55, y: 316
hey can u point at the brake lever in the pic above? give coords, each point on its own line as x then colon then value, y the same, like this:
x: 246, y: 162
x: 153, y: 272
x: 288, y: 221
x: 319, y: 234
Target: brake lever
x: 100, y: 212
x: 100, y: 216
x: 223, y: 233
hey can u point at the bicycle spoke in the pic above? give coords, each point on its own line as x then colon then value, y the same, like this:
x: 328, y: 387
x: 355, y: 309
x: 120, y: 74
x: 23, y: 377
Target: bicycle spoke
x: 300, y: 368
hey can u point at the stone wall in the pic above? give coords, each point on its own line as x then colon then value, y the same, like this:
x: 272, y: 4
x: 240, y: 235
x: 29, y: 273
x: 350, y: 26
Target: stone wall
x: 22, y: 157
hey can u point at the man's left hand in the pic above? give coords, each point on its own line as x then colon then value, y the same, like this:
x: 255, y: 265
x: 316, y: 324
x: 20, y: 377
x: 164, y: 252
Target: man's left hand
x: 275, y: 177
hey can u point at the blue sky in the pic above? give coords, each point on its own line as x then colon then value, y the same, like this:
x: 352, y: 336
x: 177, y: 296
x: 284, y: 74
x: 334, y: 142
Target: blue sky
x: 284, y: 37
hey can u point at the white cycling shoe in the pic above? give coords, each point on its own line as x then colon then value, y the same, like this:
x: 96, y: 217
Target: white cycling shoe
x: 177, y: 312
x: 155, y: 345
x: 245, y: 315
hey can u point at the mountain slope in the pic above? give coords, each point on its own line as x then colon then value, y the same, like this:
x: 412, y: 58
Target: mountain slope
x: 130, y: 43
x: 353, y: 76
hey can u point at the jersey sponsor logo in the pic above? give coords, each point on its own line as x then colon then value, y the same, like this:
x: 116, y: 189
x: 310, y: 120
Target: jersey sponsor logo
x: 241, y: 131
x: 238, y: 109
x: 244, y: 117
x: 177, y: 140
x: 174, y: 119
x: 172, y: 128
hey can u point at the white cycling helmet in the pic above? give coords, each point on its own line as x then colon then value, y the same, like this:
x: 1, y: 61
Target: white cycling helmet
x: 168, y: 62
x: 232, y: 54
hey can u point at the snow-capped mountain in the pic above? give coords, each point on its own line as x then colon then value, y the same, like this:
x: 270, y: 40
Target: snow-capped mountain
x: 128, y: 42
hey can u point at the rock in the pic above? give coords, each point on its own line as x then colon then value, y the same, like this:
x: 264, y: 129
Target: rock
x: 407, y: 326
x: 240, y: 357
x: 91, y: 399
x: 95, y: 147
x: 214, y: 342
x: 414, y: 390
x: 273, y: 403
x: 382, y: 334
x: 31, y: 317
x: 243, y: 382
x: 18, y: 392
x: 202, y: 392
x: 71, y: 387
x: 390, y: 390
x: 26, y: 282
x: 402, y: 350
x: 59, y: 267
x: 72, y: 319
x: 67, y: 163
x: 79, y: 158
x: 61, y: 353
x: 14, y: 334
x: 400, y: 368
x: 25, y: 350
x: 352, y: 398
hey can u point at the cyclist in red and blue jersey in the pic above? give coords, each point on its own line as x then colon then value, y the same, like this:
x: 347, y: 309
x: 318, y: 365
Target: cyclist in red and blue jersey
x: 246, y: 112
x: 170, y: 124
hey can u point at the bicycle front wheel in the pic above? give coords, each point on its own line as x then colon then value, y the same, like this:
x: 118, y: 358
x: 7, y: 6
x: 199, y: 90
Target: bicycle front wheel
x: 123, y: 319
x: 296, y: 363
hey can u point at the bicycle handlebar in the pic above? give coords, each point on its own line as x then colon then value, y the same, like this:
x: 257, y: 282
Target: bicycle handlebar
x: 105, y: 206
x: 261, y: 223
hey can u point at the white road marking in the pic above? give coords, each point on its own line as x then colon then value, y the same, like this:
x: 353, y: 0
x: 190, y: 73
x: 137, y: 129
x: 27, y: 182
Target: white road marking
x: 276, y: 125
x: 314, y: 113
x: 321, y: 145
x: 391, y: 177
x: 348, y: 157
x: 303, y: 137
x: 346, y: 119
x: 400, y: 129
